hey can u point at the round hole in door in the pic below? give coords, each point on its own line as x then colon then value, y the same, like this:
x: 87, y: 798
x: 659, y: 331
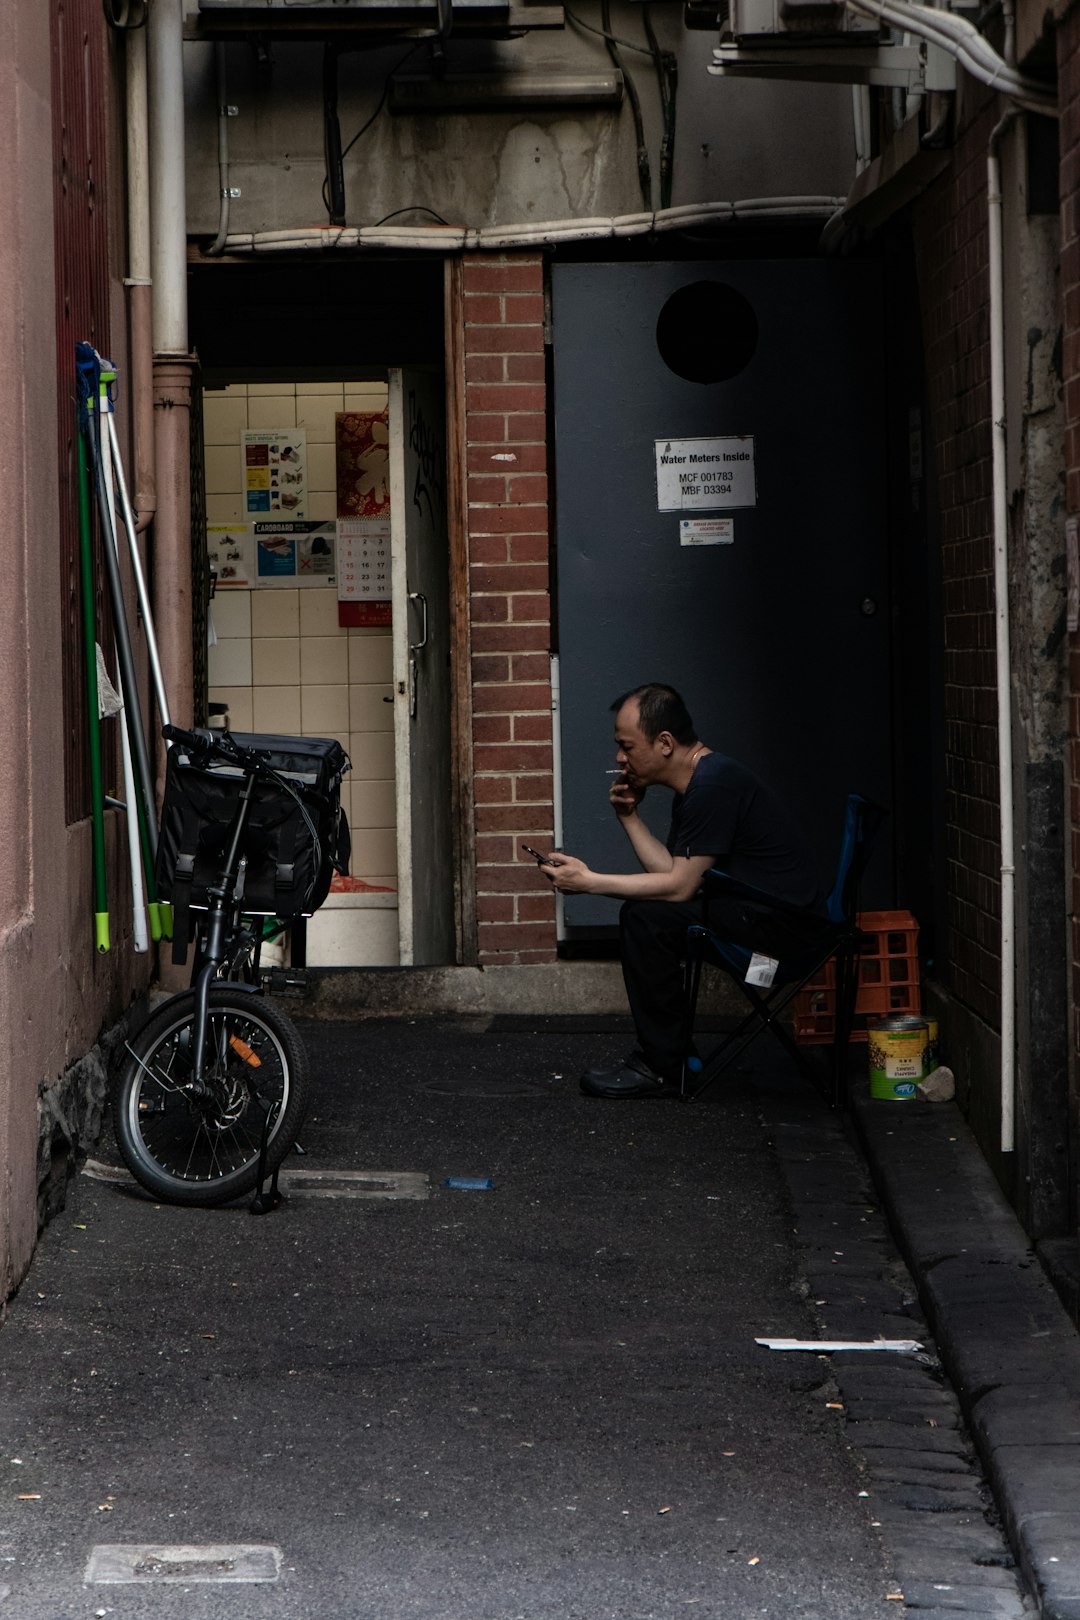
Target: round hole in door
x: 707, y: 332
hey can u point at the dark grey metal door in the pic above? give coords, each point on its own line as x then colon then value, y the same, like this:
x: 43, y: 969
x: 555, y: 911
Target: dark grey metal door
x: 770, y: 617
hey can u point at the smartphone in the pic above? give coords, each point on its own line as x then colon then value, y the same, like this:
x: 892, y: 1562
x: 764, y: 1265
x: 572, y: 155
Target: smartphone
x: 541, y: 860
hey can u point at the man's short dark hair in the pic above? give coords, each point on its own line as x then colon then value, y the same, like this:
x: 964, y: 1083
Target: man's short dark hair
x: 660, y: 708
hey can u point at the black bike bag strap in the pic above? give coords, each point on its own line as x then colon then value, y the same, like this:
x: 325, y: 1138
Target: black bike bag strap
x: 183, y: 875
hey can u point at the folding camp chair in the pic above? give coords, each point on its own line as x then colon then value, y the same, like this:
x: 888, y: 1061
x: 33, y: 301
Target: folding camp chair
x: 741, y: 924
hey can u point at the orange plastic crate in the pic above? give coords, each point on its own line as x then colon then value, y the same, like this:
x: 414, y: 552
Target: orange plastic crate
x: 889, y: 980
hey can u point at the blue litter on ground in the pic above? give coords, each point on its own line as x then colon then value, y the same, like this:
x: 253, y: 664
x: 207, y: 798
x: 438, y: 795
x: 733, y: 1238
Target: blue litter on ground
x: 470, y: 1183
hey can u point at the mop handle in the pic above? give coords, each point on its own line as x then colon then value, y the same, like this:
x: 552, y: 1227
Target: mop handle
x: 129, y: 686
x: 97, y: 806
x: 138, y: 913
x: 137, y: 567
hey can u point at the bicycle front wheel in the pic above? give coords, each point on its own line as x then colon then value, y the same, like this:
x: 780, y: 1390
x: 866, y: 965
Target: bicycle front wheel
x: 189, y: 1145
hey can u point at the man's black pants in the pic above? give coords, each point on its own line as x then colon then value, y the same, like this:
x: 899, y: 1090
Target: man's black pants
x: 652, y: 938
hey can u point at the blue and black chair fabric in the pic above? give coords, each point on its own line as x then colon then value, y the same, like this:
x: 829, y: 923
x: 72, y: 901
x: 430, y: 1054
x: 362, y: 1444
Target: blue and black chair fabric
x: 740, y: 922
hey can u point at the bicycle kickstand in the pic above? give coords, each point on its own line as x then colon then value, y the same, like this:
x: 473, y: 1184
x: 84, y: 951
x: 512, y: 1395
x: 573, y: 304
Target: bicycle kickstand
x: 265, y: 1199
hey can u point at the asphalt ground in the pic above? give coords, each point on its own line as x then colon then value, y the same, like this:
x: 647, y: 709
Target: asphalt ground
x: 537, y: 1400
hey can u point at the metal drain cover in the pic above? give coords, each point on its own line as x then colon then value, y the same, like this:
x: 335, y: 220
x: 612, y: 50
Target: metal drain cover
x: 354, y: 1183
x: 162, y: 1563
x: 309, y: 1183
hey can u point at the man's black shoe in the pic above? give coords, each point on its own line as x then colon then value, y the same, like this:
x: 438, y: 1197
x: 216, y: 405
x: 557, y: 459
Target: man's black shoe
x: 632, y: 1078
x: 632, y: 1060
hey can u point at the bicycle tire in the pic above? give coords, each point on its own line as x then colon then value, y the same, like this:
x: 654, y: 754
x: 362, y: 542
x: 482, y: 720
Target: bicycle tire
x: 206, y: 1153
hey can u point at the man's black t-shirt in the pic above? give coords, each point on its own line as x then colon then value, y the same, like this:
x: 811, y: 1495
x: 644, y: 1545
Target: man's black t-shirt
x: 728, y: 814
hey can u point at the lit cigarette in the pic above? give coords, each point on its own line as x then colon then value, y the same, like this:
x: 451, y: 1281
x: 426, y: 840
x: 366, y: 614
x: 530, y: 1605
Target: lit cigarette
x: 613, y: 773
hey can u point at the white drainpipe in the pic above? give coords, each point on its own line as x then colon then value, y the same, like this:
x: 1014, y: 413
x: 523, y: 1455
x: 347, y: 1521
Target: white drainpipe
x: 168, y: 212
x: 138, y: 280
x: 1003, y: 651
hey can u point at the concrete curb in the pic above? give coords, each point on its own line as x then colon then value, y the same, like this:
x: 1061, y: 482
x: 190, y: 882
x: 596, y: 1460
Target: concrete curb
x: 1010, y: 1349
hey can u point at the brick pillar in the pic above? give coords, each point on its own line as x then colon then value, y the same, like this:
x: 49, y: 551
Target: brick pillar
x: 510, y: 603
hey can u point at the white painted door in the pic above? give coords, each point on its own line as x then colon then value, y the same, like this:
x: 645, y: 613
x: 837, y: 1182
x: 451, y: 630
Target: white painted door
x: 421, y: 608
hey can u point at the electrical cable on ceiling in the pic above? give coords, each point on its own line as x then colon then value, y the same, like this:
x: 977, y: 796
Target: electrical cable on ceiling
x: 644, y: 172
x: 667, y: 76
x: 590, y: 28
x: 963, y: 41
x: 366, y: 125
x: 334, y: 180
x: 414, y: 208
x: 536, y: 233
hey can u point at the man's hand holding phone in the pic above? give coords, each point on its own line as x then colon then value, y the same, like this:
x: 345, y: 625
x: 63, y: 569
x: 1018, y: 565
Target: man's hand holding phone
x: 563, y: 872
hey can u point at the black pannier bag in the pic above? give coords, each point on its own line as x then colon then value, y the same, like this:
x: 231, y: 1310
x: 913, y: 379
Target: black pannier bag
x: 295, y: 839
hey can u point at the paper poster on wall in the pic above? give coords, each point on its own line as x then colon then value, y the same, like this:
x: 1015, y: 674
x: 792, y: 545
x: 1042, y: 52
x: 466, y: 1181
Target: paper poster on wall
x: 274, y: 472
x: 363, y: 464
x: 289, y: 553
x: 705, y: 475
x: 230, y: 549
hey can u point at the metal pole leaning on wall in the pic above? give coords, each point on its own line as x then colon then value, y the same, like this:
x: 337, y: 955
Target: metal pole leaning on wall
x: 93, y: 714
x: 1003, y: 649
x: 140, y: 579
x: 142, y: 825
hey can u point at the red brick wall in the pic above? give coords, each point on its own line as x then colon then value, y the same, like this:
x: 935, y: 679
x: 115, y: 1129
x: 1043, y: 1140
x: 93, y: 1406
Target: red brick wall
x: 950, y: 228
x: 507, y: 521
x: 1068, y: 48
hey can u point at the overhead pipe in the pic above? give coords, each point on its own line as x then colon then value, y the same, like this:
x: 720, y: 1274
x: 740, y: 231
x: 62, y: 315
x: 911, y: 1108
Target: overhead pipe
x: 963, y: 41
x: 495, y: 238
x: 861, y: 123
x: 1003, y: 651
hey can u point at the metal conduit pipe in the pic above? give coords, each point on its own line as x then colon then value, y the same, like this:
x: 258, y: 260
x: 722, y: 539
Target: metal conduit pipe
x: 138, y: 281
x: 1003, y: 652
x: 217, y: 246
x: 860, y: 96
x: 962, y: 40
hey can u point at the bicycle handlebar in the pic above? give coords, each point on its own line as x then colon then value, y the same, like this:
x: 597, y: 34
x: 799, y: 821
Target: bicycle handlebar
x: 205, y: 743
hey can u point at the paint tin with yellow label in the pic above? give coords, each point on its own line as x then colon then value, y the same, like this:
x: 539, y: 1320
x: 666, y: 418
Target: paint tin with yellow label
x: 897, y: 1049
x: 933, y: 1054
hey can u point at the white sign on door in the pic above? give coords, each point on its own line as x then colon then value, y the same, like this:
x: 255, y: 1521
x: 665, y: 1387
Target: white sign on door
x: 706, y: 531
x: 705, y: 475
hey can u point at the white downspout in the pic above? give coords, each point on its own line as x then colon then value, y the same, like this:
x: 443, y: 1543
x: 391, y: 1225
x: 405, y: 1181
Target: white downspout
x: 138, y: 280
x: 1003, y: 651
x: 173, y: 367
x: 168, y: 206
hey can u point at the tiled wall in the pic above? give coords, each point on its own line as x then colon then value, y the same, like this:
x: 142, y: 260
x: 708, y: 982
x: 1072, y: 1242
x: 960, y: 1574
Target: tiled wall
x: 281, y: 662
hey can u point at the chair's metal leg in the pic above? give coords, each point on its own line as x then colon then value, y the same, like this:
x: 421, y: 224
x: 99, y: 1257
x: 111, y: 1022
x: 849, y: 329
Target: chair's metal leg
x: 737, y: 1040
x: 847, y: 989
x: 695, y: 961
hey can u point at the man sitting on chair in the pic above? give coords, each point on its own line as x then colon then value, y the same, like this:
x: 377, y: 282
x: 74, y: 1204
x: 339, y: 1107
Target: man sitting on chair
x: 721, y: 816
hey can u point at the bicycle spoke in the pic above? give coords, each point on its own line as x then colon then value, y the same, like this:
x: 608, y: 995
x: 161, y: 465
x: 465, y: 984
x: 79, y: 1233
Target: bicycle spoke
x: 195, y: 1146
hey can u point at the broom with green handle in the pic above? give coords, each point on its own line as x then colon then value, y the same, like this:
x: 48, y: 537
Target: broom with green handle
x: 97, y: 797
